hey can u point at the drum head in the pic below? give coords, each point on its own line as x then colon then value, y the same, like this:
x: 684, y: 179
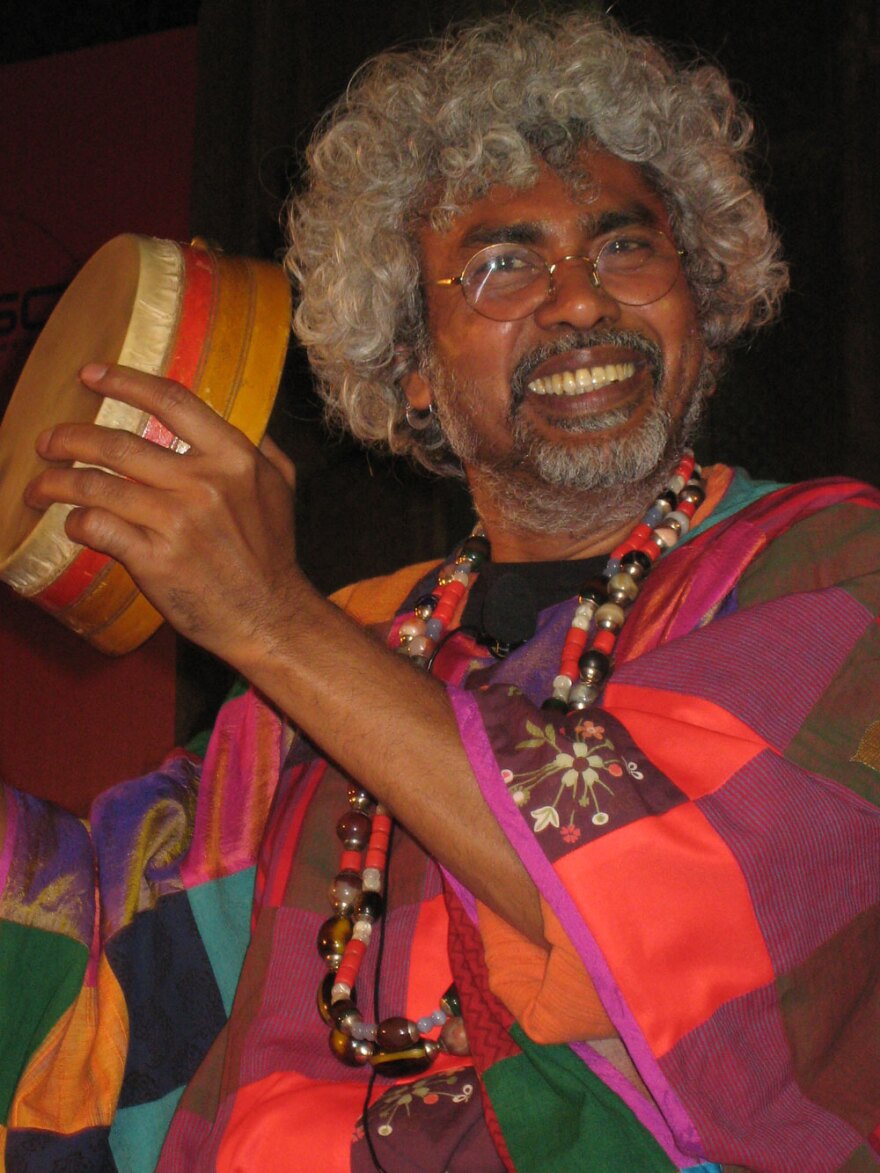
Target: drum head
x: 90, y: 323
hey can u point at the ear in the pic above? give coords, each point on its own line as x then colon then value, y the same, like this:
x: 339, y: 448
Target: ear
x: 417, y: 390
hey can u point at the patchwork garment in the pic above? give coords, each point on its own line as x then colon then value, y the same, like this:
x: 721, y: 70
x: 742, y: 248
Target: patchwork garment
x: 707, y: 836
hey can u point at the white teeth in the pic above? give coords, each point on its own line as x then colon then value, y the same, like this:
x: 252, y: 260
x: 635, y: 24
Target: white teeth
x: 583, y: 379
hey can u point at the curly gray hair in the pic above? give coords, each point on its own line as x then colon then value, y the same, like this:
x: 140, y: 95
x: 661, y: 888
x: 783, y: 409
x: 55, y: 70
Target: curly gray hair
x: 421, y: 133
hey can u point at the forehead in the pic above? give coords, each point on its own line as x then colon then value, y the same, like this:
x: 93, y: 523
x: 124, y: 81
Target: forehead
x: 558, y: 209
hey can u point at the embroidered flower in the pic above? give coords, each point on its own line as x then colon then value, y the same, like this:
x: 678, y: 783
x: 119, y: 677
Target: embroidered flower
x: 507, y: 776
x: 570, y: 833
x: 589, y: 729
x: 519, y: 797
x: 615, y: 769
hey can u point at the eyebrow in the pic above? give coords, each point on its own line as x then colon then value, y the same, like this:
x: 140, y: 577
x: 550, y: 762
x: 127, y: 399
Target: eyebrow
x: 536, y: 231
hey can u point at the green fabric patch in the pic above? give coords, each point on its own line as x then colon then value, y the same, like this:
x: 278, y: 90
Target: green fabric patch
x: 40, y: 977
x: 556, y: 1115
x: 138, y: 1133
x: 222, y: 912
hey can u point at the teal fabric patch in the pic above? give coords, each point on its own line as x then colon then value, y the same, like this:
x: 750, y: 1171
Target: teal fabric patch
x: 742, y: 491
x: 222, y: 911
x: 138, y: 1133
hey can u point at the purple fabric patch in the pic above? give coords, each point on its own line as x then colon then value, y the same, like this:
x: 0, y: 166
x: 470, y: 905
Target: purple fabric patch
x: 749, y: 660
x: 818, y: 876
x: 726, y: 1067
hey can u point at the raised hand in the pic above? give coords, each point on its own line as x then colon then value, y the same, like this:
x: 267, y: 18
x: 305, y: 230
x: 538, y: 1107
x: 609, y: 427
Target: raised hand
x: 208, y: 534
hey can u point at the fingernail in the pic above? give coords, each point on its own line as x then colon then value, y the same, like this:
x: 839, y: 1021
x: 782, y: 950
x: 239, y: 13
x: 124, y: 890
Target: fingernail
x: 43, y: 440
x: 93, y: 372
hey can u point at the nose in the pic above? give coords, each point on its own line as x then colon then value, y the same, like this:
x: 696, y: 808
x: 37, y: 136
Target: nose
x: 576, y: 298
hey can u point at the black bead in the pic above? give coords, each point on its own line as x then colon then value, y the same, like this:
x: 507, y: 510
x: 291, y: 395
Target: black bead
x: 553, y: 704
x: 594, y: 666
x: 476, y: 549
x: 693, y: 493
x: 670, y: 498
x: 426, y: 601
x: 594, y: 590
x: 341, y: 1010
x: 370, y: 905
x: 636, y: 558
x: 451, y: 1003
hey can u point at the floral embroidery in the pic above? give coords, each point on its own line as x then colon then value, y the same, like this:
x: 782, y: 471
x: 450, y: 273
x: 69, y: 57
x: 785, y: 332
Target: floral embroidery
x: 408, y: 1095
x: 580, y: 777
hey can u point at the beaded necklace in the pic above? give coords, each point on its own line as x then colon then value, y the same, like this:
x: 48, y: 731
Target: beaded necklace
x: 398, y: 1046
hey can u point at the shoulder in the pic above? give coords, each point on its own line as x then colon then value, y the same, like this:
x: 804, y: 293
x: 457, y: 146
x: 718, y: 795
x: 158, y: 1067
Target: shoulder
x: 377, y: 600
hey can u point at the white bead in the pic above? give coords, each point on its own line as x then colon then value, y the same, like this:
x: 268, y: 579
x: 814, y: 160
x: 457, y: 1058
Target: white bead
x: 361, y: 931
x: 462, y: 575
x: 562, y: 683
x: 372, y: 880
x: 682, y: 518
x: 340, y: 991
x: 580, y: 621
x: 677, y: 483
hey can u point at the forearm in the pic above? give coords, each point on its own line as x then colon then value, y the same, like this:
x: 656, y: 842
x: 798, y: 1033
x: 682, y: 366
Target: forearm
x: 392, y: 728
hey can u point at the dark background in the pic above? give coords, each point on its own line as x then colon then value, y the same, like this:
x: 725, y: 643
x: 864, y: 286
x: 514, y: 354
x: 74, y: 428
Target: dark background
x: 796, y: 403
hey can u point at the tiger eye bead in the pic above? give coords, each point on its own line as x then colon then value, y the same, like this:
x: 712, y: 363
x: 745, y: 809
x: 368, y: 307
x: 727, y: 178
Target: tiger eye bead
x: 333, y: 935
x: 344, y: 891
x: 413, y: 1061
x: 351, y: 1052
x: 451, y: 1003
x: 396, y: 1034
x: 353, y: 829
x: 325, y: 992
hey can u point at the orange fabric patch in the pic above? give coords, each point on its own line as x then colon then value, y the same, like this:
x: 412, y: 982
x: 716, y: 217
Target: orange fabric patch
x: 549, y: 992
x: 695, y: 743
x: 73, y: 1079
x: 670, y: 909
x: 286, y: 1121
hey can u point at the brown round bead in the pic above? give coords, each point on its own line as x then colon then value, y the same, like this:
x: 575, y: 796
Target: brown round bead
x: 453, y: 1037
x: 396, y: 1034
x: 344, y: 892
x: 343, y: 1013
x: 353, y: 829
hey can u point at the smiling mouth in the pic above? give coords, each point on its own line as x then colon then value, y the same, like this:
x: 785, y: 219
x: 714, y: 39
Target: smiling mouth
x: 583, y: 379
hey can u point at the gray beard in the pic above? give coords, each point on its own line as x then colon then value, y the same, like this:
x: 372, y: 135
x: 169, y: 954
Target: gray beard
x: 591, y: 484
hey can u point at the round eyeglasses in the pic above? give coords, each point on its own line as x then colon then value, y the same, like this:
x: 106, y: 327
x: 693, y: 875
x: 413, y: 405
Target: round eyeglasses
x: 510, y: 281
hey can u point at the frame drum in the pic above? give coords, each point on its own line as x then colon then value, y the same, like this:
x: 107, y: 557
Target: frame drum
x: 217, y: 324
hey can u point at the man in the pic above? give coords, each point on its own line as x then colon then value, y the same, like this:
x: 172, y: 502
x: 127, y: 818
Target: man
x: 632, y: 722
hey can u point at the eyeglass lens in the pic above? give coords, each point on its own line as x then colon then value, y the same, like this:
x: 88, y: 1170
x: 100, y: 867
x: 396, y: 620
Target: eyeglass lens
x: 509, y: 281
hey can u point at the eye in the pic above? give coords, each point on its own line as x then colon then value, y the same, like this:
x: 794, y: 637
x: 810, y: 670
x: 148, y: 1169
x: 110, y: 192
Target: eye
x: 503, y: 267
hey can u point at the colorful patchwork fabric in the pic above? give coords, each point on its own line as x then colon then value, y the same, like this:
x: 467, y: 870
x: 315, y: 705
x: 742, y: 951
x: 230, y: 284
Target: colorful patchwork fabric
x: 708, y: 839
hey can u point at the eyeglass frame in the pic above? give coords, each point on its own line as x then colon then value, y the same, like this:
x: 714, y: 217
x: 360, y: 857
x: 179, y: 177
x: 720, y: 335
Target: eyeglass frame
x: 592, y: 267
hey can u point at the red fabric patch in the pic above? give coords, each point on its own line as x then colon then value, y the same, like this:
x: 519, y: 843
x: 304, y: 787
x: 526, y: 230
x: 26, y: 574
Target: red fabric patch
x: 670, y: 909
x: 696, y: 744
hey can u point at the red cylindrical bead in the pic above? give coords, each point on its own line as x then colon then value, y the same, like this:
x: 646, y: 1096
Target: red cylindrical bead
x: 605, y: 641
x: 351, y: 861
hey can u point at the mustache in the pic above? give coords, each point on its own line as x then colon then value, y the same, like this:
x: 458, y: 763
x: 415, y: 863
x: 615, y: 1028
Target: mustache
x: 583, y: 340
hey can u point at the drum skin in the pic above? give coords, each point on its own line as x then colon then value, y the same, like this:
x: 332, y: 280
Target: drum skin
x: 217, y: 324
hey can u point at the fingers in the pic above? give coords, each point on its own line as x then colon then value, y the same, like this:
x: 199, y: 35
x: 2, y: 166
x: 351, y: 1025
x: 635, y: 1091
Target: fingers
x: 178, y: 409
x: 279, y: 461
